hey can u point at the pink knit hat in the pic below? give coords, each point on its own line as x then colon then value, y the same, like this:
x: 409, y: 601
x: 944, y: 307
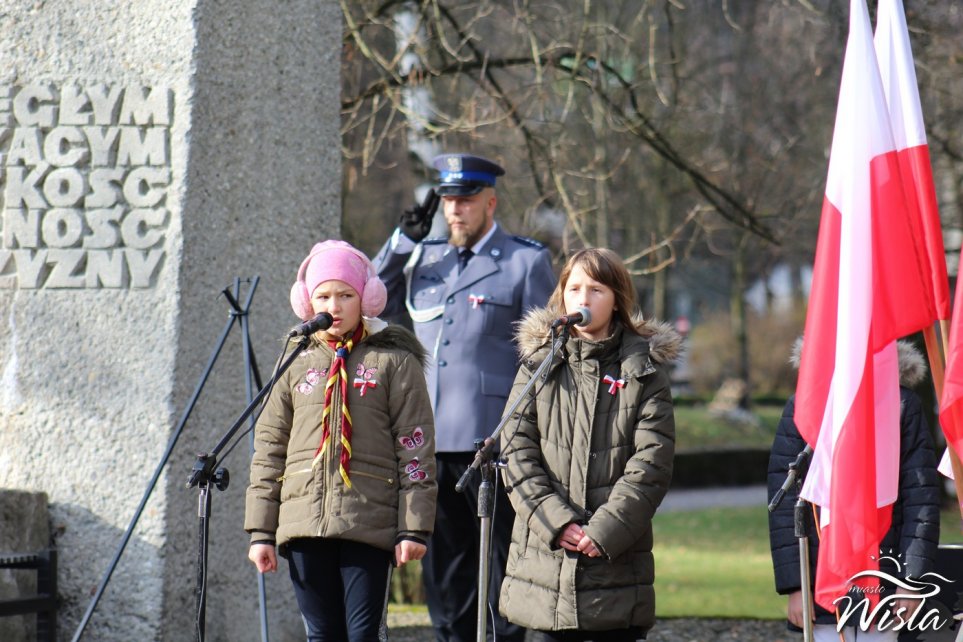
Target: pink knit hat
x: 337, y: 260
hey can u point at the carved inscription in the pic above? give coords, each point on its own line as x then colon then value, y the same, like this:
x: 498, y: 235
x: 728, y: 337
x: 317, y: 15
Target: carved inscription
x: 84, y: 178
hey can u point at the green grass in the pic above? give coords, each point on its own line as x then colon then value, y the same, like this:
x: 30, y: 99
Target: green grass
x: 696, y: 427
x: 950, y: 529
x: 716, y: 563
x: 407, y: 608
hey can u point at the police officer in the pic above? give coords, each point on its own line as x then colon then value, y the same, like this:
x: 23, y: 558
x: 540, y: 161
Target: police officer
x: 463, y: 294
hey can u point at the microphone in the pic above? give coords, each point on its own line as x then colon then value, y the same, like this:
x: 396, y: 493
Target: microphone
x: 322, y: 321
x: 581, y: 317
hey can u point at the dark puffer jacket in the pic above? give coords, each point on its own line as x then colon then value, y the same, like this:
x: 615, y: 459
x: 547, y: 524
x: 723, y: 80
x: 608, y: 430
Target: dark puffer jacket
x: 915, y: 529
x: 594, y: 447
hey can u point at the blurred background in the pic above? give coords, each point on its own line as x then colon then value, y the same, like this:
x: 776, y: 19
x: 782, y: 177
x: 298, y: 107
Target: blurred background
x: 692, y: 137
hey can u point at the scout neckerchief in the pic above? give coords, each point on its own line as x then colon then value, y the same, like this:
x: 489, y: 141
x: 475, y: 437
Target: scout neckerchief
x: 338, y: 377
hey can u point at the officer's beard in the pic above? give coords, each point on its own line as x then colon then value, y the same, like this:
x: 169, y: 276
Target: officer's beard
x: 465, y: 236
x: 460, y: 238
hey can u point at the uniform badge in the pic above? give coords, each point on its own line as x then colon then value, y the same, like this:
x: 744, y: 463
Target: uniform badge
x: 476, y: 300
x: 614, y: 384
x: 453, y: 163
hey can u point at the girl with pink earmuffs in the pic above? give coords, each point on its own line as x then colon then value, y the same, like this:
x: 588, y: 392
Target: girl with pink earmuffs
x: 343, y: 472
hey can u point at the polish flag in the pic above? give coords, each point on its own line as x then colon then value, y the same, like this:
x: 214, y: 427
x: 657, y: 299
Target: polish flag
x: 906, y: 116
x: 870, y: 286
x: 902, y: 94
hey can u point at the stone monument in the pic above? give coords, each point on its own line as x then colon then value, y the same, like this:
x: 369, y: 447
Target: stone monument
x: 150, y: 153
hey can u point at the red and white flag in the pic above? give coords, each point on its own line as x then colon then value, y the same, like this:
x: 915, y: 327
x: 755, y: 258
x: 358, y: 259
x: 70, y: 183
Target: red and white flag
x: 870, y: 286
x: 903, y: 98
x: 906, y: 116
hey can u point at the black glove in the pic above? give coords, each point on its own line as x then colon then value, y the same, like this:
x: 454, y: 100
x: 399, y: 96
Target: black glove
x: 415, y: 223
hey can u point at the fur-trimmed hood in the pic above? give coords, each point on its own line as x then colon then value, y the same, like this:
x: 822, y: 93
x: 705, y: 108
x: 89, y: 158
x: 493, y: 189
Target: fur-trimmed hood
x: 912, y: 364
x: 532, y: 333
x: 388, y: 337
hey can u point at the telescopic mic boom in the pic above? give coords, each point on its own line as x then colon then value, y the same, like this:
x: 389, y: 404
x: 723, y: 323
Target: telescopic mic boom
x: 581, y: 317
x: 322, y: 321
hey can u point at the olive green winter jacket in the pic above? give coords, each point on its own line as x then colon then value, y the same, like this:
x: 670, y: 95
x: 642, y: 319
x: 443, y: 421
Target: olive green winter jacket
x: 595, y: 447
x: 392, y: 467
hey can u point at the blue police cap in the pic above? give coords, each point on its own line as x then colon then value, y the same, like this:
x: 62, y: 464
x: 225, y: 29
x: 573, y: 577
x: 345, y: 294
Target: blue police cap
x: 464, y: 174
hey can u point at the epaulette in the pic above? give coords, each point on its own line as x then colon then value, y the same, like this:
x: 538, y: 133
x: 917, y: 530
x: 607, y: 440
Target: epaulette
x: 524, y: 240
x: 435, y: 240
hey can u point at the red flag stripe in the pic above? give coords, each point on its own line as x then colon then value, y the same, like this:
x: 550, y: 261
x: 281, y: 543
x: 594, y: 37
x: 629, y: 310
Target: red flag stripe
x: 951, y: 408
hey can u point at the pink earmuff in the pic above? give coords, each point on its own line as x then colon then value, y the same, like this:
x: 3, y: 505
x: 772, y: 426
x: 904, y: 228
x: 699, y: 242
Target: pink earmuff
x: 373, y: 298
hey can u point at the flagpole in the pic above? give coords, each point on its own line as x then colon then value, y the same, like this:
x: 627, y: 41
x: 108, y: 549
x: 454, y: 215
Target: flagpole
x: 945, y: 333
x: 935, y: 356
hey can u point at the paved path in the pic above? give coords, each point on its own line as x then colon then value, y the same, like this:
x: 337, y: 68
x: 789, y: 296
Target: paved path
x: 696, y: 498
x: 665, y: 630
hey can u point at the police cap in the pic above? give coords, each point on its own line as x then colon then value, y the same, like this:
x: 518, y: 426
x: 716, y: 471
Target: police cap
x: 464, y: 174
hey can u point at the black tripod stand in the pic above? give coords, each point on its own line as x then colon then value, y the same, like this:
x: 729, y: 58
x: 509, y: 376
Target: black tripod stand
x: 206, y: 472
x: 240, y: 313
x: 484, y: 462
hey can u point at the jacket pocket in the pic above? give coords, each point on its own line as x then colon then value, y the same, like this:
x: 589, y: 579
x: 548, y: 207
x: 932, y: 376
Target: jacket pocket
x: 375, y: 488
x: 295, y: 483
x: 390, y: 481
x: 499, y: 314
x: 495, y: 385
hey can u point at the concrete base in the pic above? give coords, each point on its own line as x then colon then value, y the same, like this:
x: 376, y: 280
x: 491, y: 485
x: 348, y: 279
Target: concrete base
x: 151, y: 152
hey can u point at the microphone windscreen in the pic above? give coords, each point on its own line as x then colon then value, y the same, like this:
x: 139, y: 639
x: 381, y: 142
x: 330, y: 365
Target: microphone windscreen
x: 586, y: 317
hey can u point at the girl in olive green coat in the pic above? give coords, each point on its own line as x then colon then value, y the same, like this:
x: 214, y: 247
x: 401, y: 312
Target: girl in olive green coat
x: 343, y: 473
x: 588, y: 462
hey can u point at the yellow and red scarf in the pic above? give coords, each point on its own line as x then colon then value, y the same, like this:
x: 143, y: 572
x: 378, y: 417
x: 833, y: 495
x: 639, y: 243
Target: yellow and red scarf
x: 338, y: 377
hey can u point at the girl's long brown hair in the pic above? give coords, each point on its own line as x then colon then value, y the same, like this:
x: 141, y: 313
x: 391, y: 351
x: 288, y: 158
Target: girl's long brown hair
x: 606, y: 267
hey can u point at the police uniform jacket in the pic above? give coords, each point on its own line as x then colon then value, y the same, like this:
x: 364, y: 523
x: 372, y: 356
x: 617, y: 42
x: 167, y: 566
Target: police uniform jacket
x: 466, y: 322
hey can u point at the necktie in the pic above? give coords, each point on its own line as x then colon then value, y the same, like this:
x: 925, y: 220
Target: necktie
x: 463, y: 257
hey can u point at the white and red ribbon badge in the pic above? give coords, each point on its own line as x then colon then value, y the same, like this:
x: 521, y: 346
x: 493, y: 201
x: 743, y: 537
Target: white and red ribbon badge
x: 365, y: 379
x: 476, y: 300
x: 614, y: 384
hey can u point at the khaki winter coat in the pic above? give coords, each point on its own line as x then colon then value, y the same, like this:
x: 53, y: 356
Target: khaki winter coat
x: 392, y: 469
x: 598, y: 453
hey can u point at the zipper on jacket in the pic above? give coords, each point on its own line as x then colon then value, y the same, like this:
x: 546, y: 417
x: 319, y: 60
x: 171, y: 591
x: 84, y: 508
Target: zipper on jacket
x: 292, y: 474
x: 388, y: 480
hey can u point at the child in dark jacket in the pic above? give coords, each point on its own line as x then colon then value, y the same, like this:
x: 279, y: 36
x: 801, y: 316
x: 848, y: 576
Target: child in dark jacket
x: 913, y: 537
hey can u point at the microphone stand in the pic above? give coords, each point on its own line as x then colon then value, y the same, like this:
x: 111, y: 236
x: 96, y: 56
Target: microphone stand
x: 484, y: 461
x: 238, y: 312
x: 799, y: 527
x: 206, y: 471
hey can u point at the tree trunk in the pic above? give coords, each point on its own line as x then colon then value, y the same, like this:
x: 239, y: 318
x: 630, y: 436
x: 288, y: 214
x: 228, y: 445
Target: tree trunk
x: 737, y: 312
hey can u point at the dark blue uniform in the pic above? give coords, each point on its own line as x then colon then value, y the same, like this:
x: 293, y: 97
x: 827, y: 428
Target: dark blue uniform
x: 465, y: 321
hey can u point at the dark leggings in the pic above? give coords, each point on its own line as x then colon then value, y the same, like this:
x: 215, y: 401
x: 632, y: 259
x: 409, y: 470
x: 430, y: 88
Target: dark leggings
x: 616, y: 635
x: 341, y: 588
